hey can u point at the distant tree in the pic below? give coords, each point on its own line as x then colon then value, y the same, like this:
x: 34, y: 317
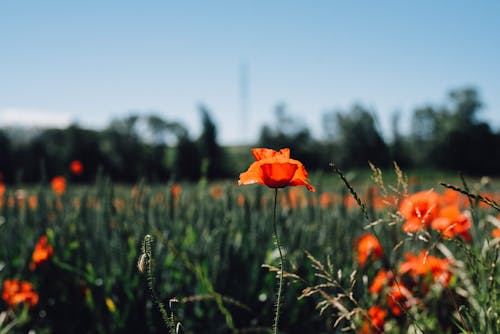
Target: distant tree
x: 5, y: 158
x: 454, y: 138
x: 356, y: 138
x: 213, y: 156
x: 399, y: 146
x: 187, y: 159
x: 466, y: 104
x: 470, y: 144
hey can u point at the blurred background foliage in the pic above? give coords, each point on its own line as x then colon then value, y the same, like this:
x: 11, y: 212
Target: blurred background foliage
x: 447, y: 137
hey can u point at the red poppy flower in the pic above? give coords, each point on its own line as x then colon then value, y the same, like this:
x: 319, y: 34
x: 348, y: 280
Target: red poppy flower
x: 382, y: 279
x: 275, y: 169
x: 76, y: 167
x: 496, y: 233
x: 368, y: 247
x: 58, y: 184
x: 375, y: 322
x: 423, y: 264
x: 15, y: 292
x: 43, y: 251
x: 419, y: 210
x: 176, y: 190
x: 451, y: 222
x: 399, y: 299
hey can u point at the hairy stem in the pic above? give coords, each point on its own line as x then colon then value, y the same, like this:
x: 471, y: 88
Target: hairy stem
x: 280, y: 283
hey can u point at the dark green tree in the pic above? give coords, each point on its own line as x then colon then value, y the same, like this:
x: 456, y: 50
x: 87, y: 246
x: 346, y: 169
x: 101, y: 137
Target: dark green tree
x: 187, y: 159
x: 355, y: 138
x: 212, y: 155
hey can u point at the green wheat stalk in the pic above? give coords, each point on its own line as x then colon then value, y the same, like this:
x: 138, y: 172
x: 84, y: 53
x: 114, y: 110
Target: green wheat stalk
x: 477, y: 197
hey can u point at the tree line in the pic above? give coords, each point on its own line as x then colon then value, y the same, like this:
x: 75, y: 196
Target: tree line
x: 448, y: 137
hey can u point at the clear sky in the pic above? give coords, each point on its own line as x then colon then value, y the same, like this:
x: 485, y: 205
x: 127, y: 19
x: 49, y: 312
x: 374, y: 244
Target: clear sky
x: 90, y: 61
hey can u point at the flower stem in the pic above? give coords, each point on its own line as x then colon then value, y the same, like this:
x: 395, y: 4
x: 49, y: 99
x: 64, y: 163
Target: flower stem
x: 280, y: 284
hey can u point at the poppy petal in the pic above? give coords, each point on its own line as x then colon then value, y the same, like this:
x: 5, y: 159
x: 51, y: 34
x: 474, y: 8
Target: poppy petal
x: 278, y: 175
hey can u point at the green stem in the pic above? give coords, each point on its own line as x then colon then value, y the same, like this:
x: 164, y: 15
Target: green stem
x: 280, y: 284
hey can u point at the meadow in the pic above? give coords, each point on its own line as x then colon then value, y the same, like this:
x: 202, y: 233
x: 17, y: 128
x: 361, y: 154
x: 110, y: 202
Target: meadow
x: 201, y: 257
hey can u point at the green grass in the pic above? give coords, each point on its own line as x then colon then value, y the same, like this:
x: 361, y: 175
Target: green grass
x: 207, y: 252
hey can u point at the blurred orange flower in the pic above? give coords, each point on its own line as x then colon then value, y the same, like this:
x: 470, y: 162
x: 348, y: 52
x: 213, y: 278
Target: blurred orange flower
x: 424, y: 264
x: 376, y: 321
x: 76, y: 167
x: 326, y: 200
x: 382, y: 279
x: 15, y: 292
x: 176, y: 190
x: 496, y: 233
x: 43, y: 251
x: 33, y: 202
x: 451, y: 222
x: 58, y: 184
x: 2, y: 188
x: 275, y: 169
x: 450, y: 197
x: 368, y: 247
x: 399, y: 298
x: 241, y: 200
x: 419, y: 210
x: 216, y: 191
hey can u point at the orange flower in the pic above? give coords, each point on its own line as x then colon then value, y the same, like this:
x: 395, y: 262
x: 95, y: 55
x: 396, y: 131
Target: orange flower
x: 496, y: 233
x: 275, y: 170
x: 2, y: 188
x: 383, y: 278
x: 450, y: 197
x: 76, y: 167
x: 176, y: 190
x: 349, y: 201
x: 368, y: 247
x: 241, y: 200
x: 439, y: 268
x: 413, y: 264
x: 375, y: 322
x: 326, y: 200
x: 43, y: 251
x: 216, y: 192
x: 58, y: 184
x: 425, y: 264
x: 451, y: 222
x: 15, y: 292
x: 419, y: 210
x: 399, y: 298
x: 33, y: 202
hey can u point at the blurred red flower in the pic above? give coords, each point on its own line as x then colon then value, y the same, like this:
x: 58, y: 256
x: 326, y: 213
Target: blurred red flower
x: 58, y: 184
x: 76, y: 167
x: 382, y: 279
x: 43, y: 251
x: 398, y: 298
x: 451, y: 222
x: 15, y: 292
x: 419, y: 210
x: 368, y: 247
x: 424, y: 264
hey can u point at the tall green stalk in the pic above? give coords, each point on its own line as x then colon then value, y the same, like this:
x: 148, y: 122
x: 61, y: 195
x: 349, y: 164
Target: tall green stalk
x: 280, y: 284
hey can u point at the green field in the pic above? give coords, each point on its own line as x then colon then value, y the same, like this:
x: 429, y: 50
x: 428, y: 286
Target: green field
x: 209, y: 242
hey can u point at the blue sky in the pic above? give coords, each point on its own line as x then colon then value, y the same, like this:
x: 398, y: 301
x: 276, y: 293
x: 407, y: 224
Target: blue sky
x: 91, y: 61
